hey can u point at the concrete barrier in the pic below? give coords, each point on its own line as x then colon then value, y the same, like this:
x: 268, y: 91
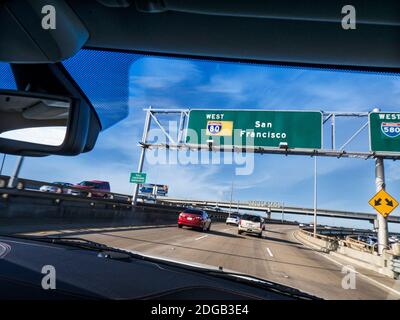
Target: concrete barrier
x: 28, y: 212
x: 320, y: 242
x: 354, y: 255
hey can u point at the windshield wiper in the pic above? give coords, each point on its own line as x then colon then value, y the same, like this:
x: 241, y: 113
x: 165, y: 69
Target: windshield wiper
x: 81, y: 243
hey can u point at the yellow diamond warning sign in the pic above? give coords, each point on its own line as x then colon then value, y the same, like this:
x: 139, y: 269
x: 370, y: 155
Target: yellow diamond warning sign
x: 383, y: 202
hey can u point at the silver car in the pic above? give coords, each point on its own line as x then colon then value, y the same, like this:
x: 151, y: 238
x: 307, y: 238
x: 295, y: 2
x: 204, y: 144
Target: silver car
x: 251, y: 224
x: 233, y: 219
x: 57, y: 187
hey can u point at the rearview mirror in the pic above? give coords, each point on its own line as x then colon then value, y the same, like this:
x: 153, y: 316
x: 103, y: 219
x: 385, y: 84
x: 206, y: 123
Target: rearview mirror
x: 41, y: 124
x: 34, y: 119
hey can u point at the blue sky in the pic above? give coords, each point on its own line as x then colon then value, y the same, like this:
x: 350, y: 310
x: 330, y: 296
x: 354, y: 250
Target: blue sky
x: 120, y: 85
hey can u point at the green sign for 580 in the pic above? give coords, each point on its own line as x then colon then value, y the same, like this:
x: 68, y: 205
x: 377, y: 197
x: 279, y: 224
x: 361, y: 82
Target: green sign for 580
x: 259, y: 128
x: 384, y: 131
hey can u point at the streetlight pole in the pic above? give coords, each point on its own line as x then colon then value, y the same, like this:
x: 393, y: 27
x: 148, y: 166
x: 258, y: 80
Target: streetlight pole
x: 230, y: 204
x: 14, y: 178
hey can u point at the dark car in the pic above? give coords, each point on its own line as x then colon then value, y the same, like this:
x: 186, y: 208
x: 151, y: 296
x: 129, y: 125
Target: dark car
x: 194, y: 218
x: 95, y: 188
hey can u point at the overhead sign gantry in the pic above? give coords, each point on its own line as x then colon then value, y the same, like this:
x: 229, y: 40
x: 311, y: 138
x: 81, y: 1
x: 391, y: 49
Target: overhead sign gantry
x: 280, y: 132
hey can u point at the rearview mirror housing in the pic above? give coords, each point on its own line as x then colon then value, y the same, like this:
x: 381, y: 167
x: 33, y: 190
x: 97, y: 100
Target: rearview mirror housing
x: 38, y: 124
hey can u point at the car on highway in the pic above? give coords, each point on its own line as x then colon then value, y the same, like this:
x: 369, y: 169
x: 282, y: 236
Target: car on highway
x: 393, y: 239
x: 250, y: 224
x: 214, y: 208
x: 372, y: 240
x: 57, y: 187
x: 194, y: 218
x: 95, y: 188
x: 233, y: 219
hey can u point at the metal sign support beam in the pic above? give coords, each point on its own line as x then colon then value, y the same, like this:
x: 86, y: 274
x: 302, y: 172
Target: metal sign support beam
x: 14, y: 178
x: 382, y: 221
x: 142, y: 153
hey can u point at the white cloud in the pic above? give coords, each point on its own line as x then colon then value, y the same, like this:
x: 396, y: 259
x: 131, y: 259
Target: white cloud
x: 393, y: 171
x: 158, y: 73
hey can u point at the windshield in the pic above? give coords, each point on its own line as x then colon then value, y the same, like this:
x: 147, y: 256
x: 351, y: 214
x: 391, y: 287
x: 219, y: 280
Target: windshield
x: 200, y: 116
x: 88, y: 184
x: 251, y: 218
x: 191, y: 211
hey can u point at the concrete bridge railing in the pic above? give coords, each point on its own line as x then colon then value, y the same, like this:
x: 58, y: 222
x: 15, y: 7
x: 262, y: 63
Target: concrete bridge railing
x: 354, y: 252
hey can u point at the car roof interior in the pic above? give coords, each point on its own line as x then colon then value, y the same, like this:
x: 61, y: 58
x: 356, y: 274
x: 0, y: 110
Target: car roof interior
x: 303, y: 32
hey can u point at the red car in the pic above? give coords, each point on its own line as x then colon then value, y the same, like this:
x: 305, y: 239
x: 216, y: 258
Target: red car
x: 97, y: 188
x: 194, y: 218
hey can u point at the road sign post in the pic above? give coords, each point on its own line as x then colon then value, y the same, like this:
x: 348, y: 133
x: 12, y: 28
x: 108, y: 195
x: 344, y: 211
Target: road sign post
x: 142, y: 154
x: 14, y: 178
x: 315, y: 198
x: 382, y: 222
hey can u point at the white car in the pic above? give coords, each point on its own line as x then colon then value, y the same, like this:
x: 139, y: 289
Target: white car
x: 251, y: 224
x: 58, y: 188
x: 233, y: 219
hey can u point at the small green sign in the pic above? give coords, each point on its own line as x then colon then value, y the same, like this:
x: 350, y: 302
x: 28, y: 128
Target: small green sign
x: 258, y: 128
x: 384, y: 131
x: 137, y: 177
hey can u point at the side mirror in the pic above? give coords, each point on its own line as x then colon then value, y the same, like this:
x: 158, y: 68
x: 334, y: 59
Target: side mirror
x: 36, y: 124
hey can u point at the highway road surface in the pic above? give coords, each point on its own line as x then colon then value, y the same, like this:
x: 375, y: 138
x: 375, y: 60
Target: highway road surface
x: 278, y: 256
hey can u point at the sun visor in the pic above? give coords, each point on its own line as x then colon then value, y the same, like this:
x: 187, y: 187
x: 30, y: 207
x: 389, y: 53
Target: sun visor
x: 39, y: 31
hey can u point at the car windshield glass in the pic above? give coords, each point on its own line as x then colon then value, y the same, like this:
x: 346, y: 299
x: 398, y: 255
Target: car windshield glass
x: 251, y: 218
x: 88, y: 184
x: 191, y: 211
x: 273, y: 141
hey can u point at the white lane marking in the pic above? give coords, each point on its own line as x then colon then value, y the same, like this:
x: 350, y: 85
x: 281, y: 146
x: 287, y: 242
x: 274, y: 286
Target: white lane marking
x: 202, y: 237
x: 373, y: 281
x: 226, y: 229
x: 270, y: 252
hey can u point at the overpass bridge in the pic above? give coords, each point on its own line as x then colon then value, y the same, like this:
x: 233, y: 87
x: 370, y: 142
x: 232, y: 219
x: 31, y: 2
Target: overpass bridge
x: 279, y: 209
x: 29, y: 190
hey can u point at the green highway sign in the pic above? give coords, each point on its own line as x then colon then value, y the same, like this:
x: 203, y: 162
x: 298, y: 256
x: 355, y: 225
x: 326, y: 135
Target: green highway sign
x: 260, y: 128
x: 384, y: 131
x: 137, y: 177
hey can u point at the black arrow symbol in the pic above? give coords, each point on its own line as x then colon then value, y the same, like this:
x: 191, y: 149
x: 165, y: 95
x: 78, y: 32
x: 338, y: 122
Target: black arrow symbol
x: 378, y: 202
x: 389, y: 202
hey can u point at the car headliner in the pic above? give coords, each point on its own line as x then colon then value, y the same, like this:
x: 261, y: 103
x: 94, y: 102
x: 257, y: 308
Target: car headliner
x: 302, y: 33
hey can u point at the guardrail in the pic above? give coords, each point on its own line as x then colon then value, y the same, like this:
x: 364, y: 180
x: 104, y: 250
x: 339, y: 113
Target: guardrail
x: 322, y: 242
x: 318, y: 235
x: 359, y: 245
